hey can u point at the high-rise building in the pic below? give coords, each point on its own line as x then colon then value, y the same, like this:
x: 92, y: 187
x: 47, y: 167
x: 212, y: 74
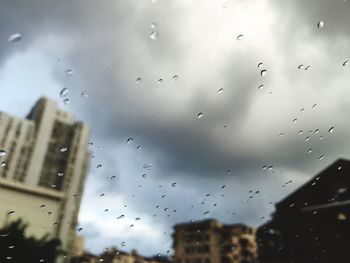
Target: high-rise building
x: 44, y: 162
x: 312, y: 223
x: 210, y: 241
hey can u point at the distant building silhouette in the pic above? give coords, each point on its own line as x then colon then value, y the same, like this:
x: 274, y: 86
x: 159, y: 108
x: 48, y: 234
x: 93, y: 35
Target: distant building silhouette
x: 114, y: 255
x: 311, y: 224
x: 210, y: 241
x: 43, y: 171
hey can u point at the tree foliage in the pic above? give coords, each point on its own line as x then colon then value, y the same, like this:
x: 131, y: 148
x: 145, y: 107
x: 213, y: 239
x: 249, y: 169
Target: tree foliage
x: 15, y: 247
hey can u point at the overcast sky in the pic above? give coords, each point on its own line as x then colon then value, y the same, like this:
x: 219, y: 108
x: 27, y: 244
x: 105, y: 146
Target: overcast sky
x: 148, y: 69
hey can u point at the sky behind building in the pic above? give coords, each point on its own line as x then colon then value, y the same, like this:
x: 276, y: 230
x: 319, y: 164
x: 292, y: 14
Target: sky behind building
x: 147, y: 70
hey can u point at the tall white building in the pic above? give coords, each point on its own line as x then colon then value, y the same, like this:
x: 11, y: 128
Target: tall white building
x: 43, y: 171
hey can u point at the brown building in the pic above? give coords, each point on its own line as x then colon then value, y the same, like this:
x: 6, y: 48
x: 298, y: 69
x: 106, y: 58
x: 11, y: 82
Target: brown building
x: 113, y: 255
x: 210, y: 241
x: 311, y: 224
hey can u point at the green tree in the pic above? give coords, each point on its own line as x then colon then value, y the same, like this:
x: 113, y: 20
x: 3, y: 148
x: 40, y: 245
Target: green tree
x: 16, y: 247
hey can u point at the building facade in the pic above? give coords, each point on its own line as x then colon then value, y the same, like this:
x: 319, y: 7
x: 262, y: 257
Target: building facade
x: 44, y: 162
x: 311, y: 224
x: 210, y: 241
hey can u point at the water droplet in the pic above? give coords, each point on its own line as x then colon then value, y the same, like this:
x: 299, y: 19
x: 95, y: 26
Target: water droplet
x: 314, y: 105
x: 281, y: 134
x: 345, y: 63
x: 69, y: 72
x: 64, y: 93
x: 106, y: 210
x: 320, y: 24
x: 308, y: 67
x: 316, y: 131
x: 153, y: 25
x: 321, y: 137
x: 66, y: 101
x: 3, y: 153
x: 11, y: 246
x: 123, y: 244
x: 11, y: 212
x: 15, y: 38
x: 99, y: 166
x: 130, y: 140
x: 321, y: 157
x: 79, y: 229
x: 270, y: 167
x: 137, y: 219
x: 60, y: 174
x: 173, y: 184
x: 260, y: 65
x: 85, y: 94
x: 147, y: 165
x: 138, y: 80
x: 264, y: 167
x: 200, y: 115
x: 331, y: 129
x: 175, y: 77
x: 42, y: 206
x: 307, y: 138
x: 160, y: 81
x: 121, y: 216
x: 220, y: 90
x: 75, y: 196
x: 300, y: 132
x: 3, y: 164
x: 228, y: 172
x: 102, y: 195
x: 301, y: 66
x: 154, y: 35
x: 240, y: 37
x: 261, y: 87
x: 138, y: 147
x: 63, y: 149
x: 263, y: 72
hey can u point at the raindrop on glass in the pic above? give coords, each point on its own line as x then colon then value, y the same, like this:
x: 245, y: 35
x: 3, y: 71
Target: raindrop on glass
x: 69, y: 72
x: 153, y: 25
x: 3, y: 164
x: 138, y: 147
x: 321, y: 157
x: 2, y: 153
x: 308, y: 67
x: 260, y: 65
x: 301, y: 66
x: 11, y: 212
x: 147, y: 165
x: 99, y: 166
x: 64, y: 93
x: 331, y: 129
x: 220, y: 90
x: 121, y: 216
x: 154, y: 35
x: 138, y: 80
x: 60, y: 174
x: 79, y: 229
x: 200, y: 115
x: 320, y: 24
x: 66, y: 101
x: 63, y: 149
x: 261, y: 87
x: 175, y: 77
x: 15, y: 38
x: 263, y: 72
x: 85, y: 94
x: 240, y: 37
x: 130, y: 140
x: 346, y: 62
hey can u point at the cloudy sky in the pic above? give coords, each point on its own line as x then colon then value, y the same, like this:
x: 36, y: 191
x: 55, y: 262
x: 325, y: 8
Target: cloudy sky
x: 183, y: 79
